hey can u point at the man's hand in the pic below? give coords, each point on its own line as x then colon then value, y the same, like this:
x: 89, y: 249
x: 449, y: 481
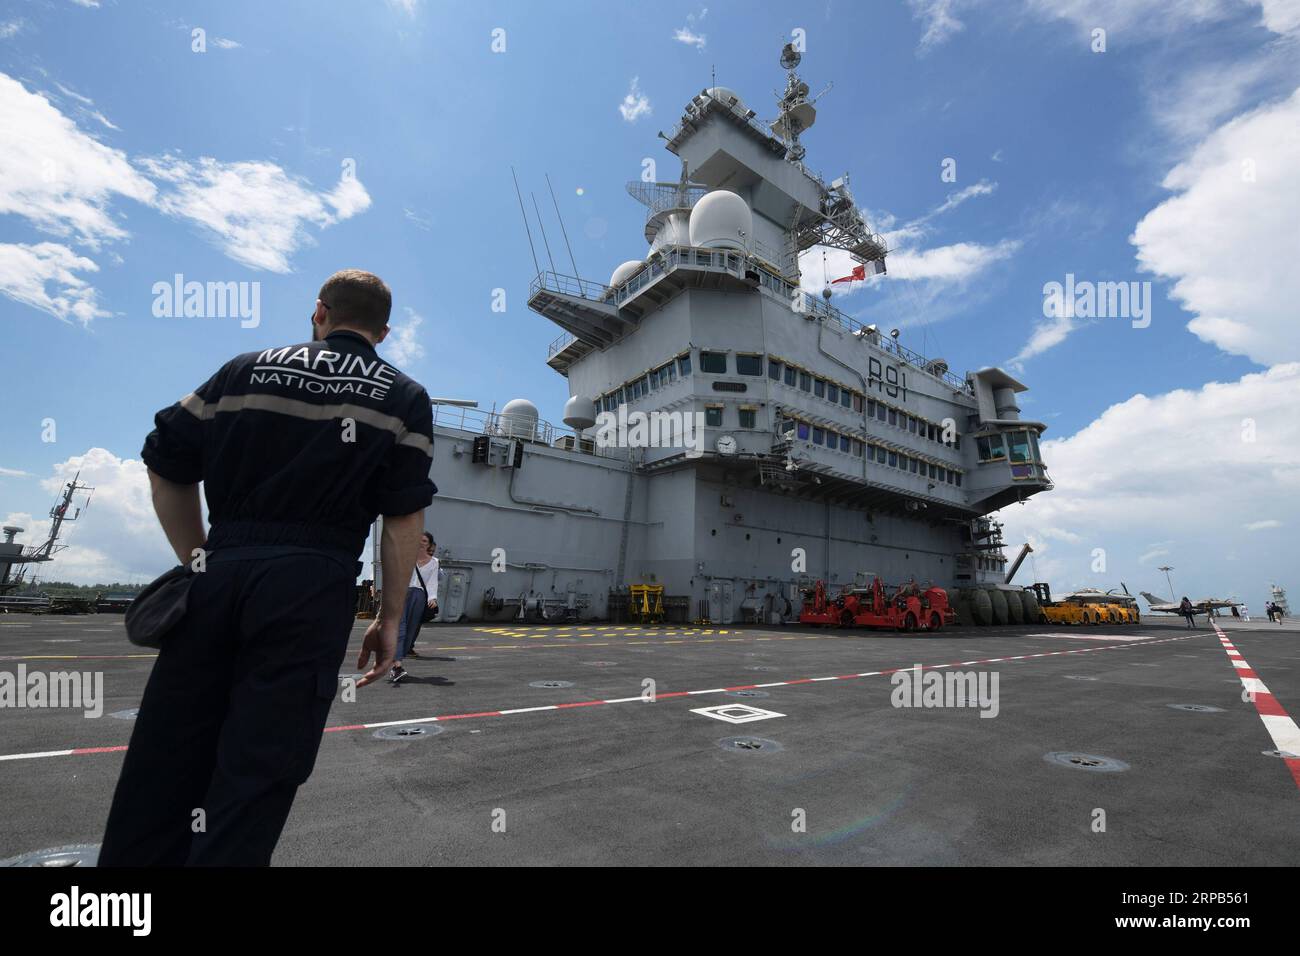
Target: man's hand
x: 381, y: 640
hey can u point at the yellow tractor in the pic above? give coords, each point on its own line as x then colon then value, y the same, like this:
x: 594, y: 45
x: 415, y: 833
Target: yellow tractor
x: 1070, y: 611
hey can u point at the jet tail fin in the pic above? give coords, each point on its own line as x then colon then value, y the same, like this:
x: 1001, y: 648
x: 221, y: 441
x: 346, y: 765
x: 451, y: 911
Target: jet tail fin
x: 1152, y: 599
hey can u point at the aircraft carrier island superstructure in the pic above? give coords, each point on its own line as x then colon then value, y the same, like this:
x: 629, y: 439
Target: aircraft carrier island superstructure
x: 827, y: 449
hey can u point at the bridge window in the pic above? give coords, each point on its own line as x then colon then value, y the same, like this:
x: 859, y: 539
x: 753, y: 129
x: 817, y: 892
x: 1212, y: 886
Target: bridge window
x: 846, y: 398
x: 748, y: 417
x: 819, y: 436
x: 857, y: 447
x: 713, y: 415
x: 819, y: 388
x: 805, y: 381
x: 912, y: 465
x: 871, y: 408
x: 844, y: 443
x: 911, y: 425
x: 832, y: 392
x: 893, y: 416
x: 713, y: 362
x: 893, y: 459
x: 881, y: 412
x: 1018, y: 446
x: 684, y: 365
x: 774, y: 370
x: 791, y: 374
x: 749, y: 364
x: 857, y: 402
x: 804, y: 431
x: 880, y: 454
x: 990, y: 447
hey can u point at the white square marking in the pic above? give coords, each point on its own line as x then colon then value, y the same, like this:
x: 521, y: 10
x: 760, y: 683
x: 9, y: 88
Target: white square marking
x: 736, y: 713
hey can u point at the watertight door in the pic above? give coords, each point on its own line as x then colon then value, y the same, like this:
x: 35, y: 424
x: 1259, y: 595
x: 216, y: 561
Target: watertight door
x: 454, y: 593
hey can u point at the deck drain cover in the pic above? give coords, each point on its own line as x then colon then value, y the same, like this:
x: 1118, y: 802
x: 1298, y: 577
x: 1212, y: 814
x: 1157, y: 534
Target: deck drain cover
x: 550, y: 683
x: 131, y: 714
x: 750, y: 745
x: 409, y: 732
x: 1078, y: 677
x: 1198, y: 708
x: 748, y: 693
x: 1284, y: 754
x: 77, y: 854
x: 1086, y: 762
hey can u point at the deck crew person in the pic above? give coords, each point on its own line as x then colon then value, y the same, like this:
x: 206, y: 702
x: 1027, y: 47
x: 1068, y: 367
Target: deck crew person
x: 298, y: 448
x: 1185, y: 608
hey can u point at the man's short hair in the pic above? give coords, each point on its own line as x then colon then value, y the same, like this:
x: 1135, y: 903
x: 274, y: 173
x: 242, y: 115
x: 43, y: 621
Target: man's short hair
x: 358, y: 299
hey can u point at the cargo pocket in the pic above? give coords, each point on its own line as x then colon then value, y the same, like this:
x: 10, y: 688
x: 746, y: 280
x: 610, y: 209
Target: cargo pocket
x: 325, y: 689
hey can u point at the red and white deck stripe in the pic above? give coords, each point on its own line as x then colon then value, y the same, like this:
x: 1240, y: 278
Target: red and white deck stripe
x: 444, y: 718
x: 1280, y: 726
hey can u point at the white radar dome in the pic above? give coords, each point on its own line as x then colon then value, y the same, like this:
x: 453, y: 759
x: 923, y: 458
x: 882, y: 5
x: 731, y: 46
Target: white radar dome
x: 721, y: 220
x: 579, y: 412
x: 519, y: 419
x: 624, y: 272
x: 725, y: 95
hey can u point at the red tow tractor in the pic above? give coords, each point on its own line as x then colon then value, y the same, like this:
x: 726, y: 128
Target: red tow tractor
x: 908, y: 608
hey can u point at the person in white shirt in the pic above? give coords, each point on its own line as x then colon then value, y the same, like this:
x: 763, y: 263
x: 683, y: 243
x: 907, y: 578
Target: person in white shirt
x: 421, y: 594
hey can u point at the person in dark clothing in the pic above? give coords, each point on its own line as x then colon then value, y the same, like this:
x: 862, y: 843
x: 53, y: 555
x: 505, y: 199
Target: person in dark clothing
x: 1185, y: 608
x: 299, y: 449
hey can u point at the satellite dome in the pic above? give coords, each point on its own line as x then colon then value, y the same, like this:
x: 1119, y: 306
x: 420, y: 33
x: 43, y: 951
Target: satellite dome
x: 519, y: 419
x: 721, y: 220
x: 579, y: 412
x: 725, y: 95
x: 625, y: 272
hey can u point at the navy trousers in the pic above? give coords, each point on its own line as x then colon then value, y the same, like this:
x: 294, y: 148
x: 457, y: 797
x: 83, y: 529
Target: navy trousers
x: 233, y: 714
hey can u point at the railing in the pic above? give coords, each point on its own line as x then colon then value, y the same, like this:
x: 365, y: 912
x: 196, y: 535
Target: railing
x: 568, y: 285
x: 669, y: 258
x: 480, y: 422
x: 564, y: 339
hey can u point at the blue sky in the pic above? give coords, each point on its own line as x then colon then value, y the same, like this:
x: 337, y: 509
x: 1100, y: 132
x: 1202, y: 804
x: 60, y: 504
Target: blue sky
x: 145, y: 159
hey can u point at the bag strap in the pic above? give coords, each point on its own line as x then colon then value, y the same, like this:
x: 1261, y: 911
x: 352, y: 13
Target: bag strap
x: 424, y: 587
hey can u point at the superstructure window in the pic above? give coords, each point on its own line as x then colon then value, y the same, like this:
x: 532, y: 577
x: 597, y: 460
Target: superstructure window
x: 871, y: 408
x: 911, y: 425
x: 774, y: 370
x: 989, y: 447
x: 1018, y: 446
x: 844, y: 443
x: 832, y: 392
x: 805, y: 381
x: 684, y: 365
x: 881, y: 412
x: 747, y: 417
x: 804, y: 431
x: 713, y: 362
x: 713, y: 415
x: 819, y: 436
x: 819, y: 388
x: 749, y: 364
x: 912, y: 465
x: 846, y: 399
x: 791, y: 375
x: 857, y: 448
x: 893, y: 459
x: 880, y: 454
x: 857, y: 402
x: 893, y: 417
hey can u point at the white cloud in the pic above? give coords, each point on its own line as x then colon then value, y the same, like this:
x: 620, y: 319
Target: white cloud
x: 44, y: 276
x: 1174, y: 467
x: 224, y: 43
x: 12, y: 473
x: 685, y: 35
x: 257, y: 212
x: 635, y: 104
x: 409, y: 7
x: 57, y: 177
x: 10, y: 28
x: 940, y: 20
x: 116, y: 538
x: 1265, y: 525
x: 402, y: 344
x: 1230, y: 243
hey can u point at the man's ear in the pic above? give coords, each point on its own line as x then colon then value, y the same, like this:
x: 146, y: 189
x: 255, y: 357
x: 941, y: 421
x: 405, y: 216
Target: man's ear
x: 321, y: 316
x: 382, y: 335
